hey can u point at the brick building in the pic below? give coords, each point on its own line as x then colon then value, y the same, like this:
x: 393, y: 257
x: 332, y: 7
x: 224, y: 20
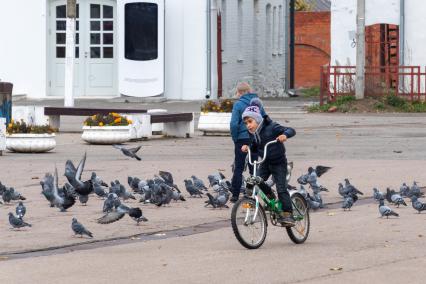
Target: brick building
x: 312, y: 43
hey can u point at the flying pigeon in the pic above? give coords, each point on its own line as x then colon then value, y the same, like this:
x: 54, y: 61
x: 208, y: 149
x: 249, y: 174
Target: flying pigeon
x: 50, y: 187
x: 129, y: 152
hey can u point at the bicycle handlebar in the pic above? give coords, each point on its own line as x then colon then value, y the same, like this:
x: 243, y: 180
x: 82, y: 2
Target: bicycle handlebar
x: 265, y: 151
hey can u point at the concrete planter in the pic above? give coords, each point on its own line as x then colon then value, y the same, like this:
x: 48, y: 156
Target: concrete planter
x: 106, y: 134
x: 30, y: 143
x: 216, y: 122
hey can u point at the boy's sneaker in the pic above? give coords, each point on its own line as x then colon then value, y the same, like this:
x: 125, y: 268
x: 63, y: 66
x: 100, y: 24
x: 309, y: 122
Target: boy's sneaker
x: 234, y: 199
x: 286, y: 219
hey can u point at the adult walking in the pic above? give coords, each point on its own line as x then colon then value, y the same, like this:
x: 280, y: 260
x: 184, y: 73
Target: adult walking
x: 240, y: 135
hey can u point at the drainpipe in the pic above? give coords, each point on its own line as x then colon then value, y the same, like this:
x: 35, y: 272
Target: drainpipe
x: 401, y: 42
x: 292, y: 8
x: 209, y: 49
x: 286, y: 44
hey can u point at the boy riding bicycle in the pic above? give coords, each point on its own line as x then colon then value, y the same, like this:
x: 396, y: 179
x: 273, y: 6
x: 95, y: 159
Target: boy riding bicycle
x: 263, y: 130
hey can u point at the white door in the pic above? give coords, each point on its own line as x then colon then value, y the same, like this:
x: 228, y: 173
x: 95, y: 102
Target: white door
x: 96, y: 64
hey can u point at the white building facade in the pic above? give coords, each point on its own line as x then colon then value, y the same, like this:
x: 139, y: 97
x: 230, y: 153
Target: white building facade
x: 407, y: 14
x: 184, y: 66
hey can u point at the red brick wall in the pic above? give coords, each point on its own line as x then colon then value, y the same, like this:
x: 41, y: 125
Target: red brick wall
x: 312, y: 47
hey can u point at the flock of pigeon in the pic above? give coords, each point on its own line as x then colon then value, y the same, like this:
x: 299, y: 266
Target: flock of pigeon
x: 160, y: 191
x: 350, y: 194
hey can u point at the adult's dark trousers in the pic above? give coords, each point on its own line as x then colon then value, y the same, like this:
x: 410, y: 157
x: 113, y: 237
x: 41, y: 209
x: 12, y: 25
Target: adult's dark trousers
x: 279, y: 173
x: 239, y: 164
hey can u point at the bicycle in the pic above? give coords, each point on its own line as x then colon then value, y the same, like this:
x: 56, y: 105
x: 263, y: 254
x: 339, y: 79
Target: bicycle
x: 249, y: 215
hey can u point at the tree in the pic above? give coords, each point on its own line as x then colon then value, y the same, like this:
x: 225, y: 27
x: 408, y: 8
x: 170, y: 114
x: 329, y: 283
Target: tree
x: 303, y: 5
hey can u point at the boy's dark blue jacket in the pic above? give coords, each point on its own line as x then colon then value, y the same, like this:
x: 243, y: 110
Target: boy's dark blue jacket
x: 268, y: 131
x: 238, y: 128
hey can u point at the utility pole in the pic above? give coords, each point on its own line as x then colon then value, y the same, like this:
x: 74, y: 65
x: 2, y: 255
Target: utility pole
x: 70, y: 53
x: 292, y: 8
x: 360, y: 50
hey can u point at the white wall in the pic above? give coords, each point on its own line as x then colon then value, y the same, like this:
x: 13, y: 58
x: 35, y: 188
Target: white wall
x: 343, y: 25
x: 23, y: 45
x: 415, y: 37
x: 186, y: 49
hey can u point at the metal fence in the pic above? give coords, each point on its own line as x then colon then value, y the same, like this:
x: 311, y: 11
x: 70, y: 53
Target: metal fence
x: 405, y: 81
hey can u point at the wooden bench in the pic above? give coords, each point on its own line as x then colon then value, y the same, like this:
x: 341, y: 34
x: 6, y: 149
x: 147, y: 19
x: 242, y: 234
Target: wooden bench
x: 175, y: 124
x: 55, y: 113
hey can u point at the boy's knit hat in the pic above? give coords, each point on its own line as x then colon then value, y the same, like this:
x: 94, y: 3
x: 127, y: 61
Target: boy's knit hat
x: 253, y: 110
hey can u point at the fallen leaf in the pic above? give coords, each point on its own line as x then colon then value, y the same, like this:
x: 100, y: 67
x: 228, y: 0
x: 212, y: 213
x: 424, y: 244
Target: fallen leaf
x: 336, y: 268
x: 397, y: 151
x: 420, y: 236
x: 3, y: 258
x: 35, y: 178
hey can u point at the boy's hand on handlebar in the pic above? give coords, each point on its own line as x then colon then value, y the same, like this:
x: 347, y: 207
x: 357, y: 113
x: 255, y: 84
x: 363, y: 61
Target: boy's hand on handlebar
x: 245, y: 148
x: 282, y: 138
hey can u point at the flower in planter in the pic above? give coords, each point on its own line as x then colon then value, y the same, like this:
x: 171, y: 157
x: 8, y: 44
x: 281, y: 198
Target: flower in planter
x: 19, y: 127
x: 220, y: 106
x: 111, y: 119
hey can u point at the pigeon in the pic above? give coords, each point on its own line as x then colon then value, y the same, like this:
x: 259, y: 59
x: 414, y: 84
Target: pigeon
x: 215, y: 178
x: 352, y: 189
x: 314, y: 205
x: 198, y: 183
x: 377, y: 195
x: 74, y: 177
x: 219, y: 201
x: 192, y: 190
x: 20, y: 210
x: 417, y: 205
x: 16, y: 195
x: 312, y: 175
x: 385, y: 210
x: 96, y: 179
x: 99, y: 190
x: 398, y: 200
x: 7, y: 196
x: 415, y: 191
x: 50, y: 186
x: 111, y: 202
x: 83, y: 199
x: 129, y: 152
x: 79, y: 229
x: 389, y: 193
x: 17, y: 223
x: 404, y: 190
x: 133, y: 182
x: 348, y: 202
x: 120, y: 212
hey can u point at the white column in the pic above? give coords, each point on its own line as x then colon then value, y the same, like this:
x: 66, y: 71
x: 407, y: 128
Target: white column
x: 69, y: 59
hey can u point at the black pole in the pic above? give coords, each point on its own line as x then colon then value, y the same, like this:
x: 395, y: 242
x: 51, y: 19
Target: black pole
x: 291, y: 83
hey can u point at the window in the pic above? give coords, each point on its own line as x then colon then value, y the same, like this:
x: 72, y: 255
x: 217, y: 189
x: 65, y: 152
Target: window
x: 60, y: 32
x: 141, y: 31
x: 101, y: 31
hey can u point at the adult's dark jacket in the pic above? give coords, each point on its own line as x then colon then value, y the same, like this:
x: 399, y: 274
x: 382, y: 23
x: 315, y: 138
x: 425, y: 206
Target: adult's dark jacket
x: 268, y: 131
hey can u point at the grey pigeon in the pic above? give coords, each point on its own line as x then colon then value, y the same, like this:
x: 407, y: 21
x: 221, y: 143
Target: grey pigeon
x: 16, y: 195
x: 17, y: 223
x: 20, y: 210
x: 404, y: 190
x: 389, y: 193
x: 96, y: 179
x: 79, y: 229
x: 348, y: 202
x: 136, y: 214
x: 7, y: 196
x: 314, y: 205
x: 198, y: 183
x: 74, y: 177
x: 417, y: 204
x: 352, y: 189
x: 415, y: 191
x: 50, y: 186
x: 192, y: 190
x: 99, y: 190
x: 398, y: 200
x: 120, y: 212
x: 110, y: 203
x: 377, y: 195
x: 385, y: 210
x: 218, y: 201
x: 129, y: 152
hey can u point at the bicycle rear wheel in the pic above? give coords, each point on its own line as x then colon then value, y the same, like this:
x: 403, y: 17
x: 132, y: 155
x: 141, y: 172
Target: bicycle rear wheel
x: 250, y: 230
x: 299, y: 233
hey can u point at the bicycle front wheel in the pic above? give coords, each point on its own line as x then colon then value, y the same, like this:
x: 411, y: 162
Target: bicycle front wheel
x: 249, y: 227
x: 299, y: 233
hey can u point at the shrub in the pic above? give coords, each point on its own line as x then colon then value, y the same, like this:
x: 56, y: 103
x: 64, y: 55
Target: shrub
x: 111, y: 119
x: 219, y: 106
x: 19, y: 127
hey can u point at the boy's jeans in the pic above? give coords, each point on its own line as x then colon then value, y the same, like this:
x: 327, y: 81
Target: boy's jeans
x: 279, y: 173
x: 239, y: 162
